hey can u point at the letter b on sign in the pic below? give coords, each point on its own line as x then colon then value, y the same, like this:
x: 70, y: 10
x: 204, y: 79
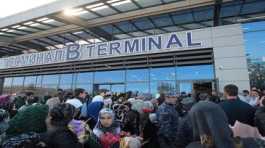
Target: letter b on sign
x: 73, y: 53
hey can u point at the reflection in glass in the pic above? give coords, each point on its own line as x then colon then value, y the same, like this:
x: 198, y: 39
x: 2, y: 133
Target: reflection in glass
x: 185, y: 87
x: 7, y: 86
x: 17, y: 85
x: 18, y: 81
x: 254, y: 37
x: 195, y: 72
x: 7, y: 82
x: 109, y: 76
x: 86, y: 77
x: 167, y: 73
x: 65, y: 86
x: 117, y: 88
x: 137, y: 75
x: 39, y: 80
x: 140, y: 87
x: 87, y: 87
x: 50, y: 79
x: 50, y: 90
x: 66, y: 79
x: 163, y: 87
x: 30, y: 81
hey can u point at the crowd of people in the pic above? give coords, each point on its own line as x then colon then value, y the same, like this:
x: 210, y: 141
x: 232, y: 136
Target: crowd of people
x: 134, y: 120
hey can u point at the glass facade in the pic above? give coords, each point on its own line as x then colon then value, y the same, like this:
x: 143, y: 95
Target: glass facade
x: 149, y: 80
x: 254, y: 35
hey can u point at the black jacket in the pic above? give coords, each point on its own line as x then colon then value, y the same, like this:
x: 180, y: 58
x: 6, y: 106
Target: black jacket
x: 238, y: 110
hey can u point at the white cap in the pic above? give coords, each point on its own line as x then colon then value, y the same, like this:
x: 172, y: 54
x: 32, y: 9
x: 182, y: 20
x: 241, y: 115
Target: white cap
x: 75, y: 102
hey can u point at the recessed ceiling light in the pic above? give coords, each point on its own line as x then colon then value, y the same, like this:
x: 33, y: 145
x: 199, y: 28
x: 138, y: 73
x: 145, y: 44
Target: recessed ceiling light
x: 5, y: 29
x: 73, y: 12
x: 42, y: 19
x: 121, y: 3
x: 100, y: 8
x: 48, y: 21
x: 28, y: 23
x: 95, y: 5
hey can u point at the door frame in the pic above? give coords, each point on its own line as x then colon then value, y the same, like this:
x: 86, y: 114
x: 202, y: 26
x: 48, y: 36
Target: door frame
x: 108, y: 83
x: 213, y: 81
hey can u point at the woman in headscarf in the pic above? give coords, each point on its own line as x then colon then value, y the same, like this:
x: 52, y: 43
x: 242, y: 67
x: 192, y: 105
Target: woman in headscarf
x: 211, y: 128
x: 107, y: 130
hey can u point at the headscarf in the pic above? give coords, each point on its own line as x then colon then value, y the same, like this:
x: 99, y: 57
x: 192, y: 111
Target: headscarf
x: 4, y: 101
x: 91, y: 110
x: 210, y: 124
x: 114, y: 128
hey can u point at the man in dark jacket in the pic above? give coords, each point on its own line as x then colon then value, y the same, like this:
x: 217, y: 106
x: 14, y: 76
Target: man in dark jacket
x: 235, y: 109
x: 168, y: 122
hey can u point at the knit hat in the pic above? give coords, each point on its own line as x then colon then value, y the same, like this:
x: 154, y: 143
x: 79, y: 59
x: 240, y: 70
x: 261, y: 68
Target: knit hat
x: 32, y: 119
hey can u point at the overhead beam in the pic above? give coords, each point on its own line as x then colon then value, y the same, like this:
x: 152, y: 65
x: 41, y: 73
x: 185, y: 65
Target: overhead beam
x: 79, y: 22
x: 4, y: 41
x: 33, y: 45
x: 156, y: 10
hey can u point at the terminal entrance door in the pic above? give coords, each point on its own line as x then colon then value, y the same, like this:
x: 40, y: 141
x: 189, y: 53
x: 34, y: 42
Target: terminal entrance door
x: 115, y: 88
x: 196, y: 86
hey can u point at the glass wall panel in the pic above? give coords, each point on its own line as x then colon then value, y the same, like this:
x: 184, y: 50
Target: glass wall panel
x: 185, y: 87
x: 167, y: 73
x: 8, y: 81
x: 18, y: 81
x: 162, y: 87
x: 86, y: 77
x: 118, y: 88
x: 66, y: 86
x: 136, y: 75
x: 140, y: 87
x: 50, y: 79
x: 197, y: 72
x: 17, y: 85
x: 7, y: 85
x: 66, y: 79
x: 30, y: 81
x: 109, y: 76
x: 254, y: 37
x: 39, y: 81
x: 49, y: 89
x: 87, y: 87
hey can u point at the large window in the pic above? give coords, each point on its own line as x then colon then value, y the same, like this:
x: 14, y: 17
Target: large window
x: 148, y: 80
x: 7, y: 85
x: 30, y: 81
x: 86, y: 77
x: 162, y: 73
x: 109, y: 76
x: 138, y: 87
x: 66, y: 81
x: 137, y: 75
x: 50, y: 79
x: 199, y: 72
x: 17, y: 85
x: 254, y: 35
x: 84, y: 80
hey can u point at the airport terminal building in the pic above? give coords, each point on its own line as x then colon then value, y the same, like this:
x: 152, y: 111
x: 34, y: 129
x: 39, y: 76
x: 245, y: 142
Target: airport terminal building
x: 127, y: 45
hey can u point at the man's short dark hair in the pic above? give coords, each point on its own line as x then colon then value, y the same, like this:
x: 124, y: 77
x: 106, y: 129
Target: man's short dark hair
x: 246, y: 91
x: 231, y: 90
x: 79, y: 91
x: 102, y: 91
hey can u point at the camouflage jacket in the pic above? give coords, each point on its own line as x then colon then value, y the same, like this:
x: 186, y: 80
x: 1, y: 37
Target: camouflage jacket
x: 168, y: 121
